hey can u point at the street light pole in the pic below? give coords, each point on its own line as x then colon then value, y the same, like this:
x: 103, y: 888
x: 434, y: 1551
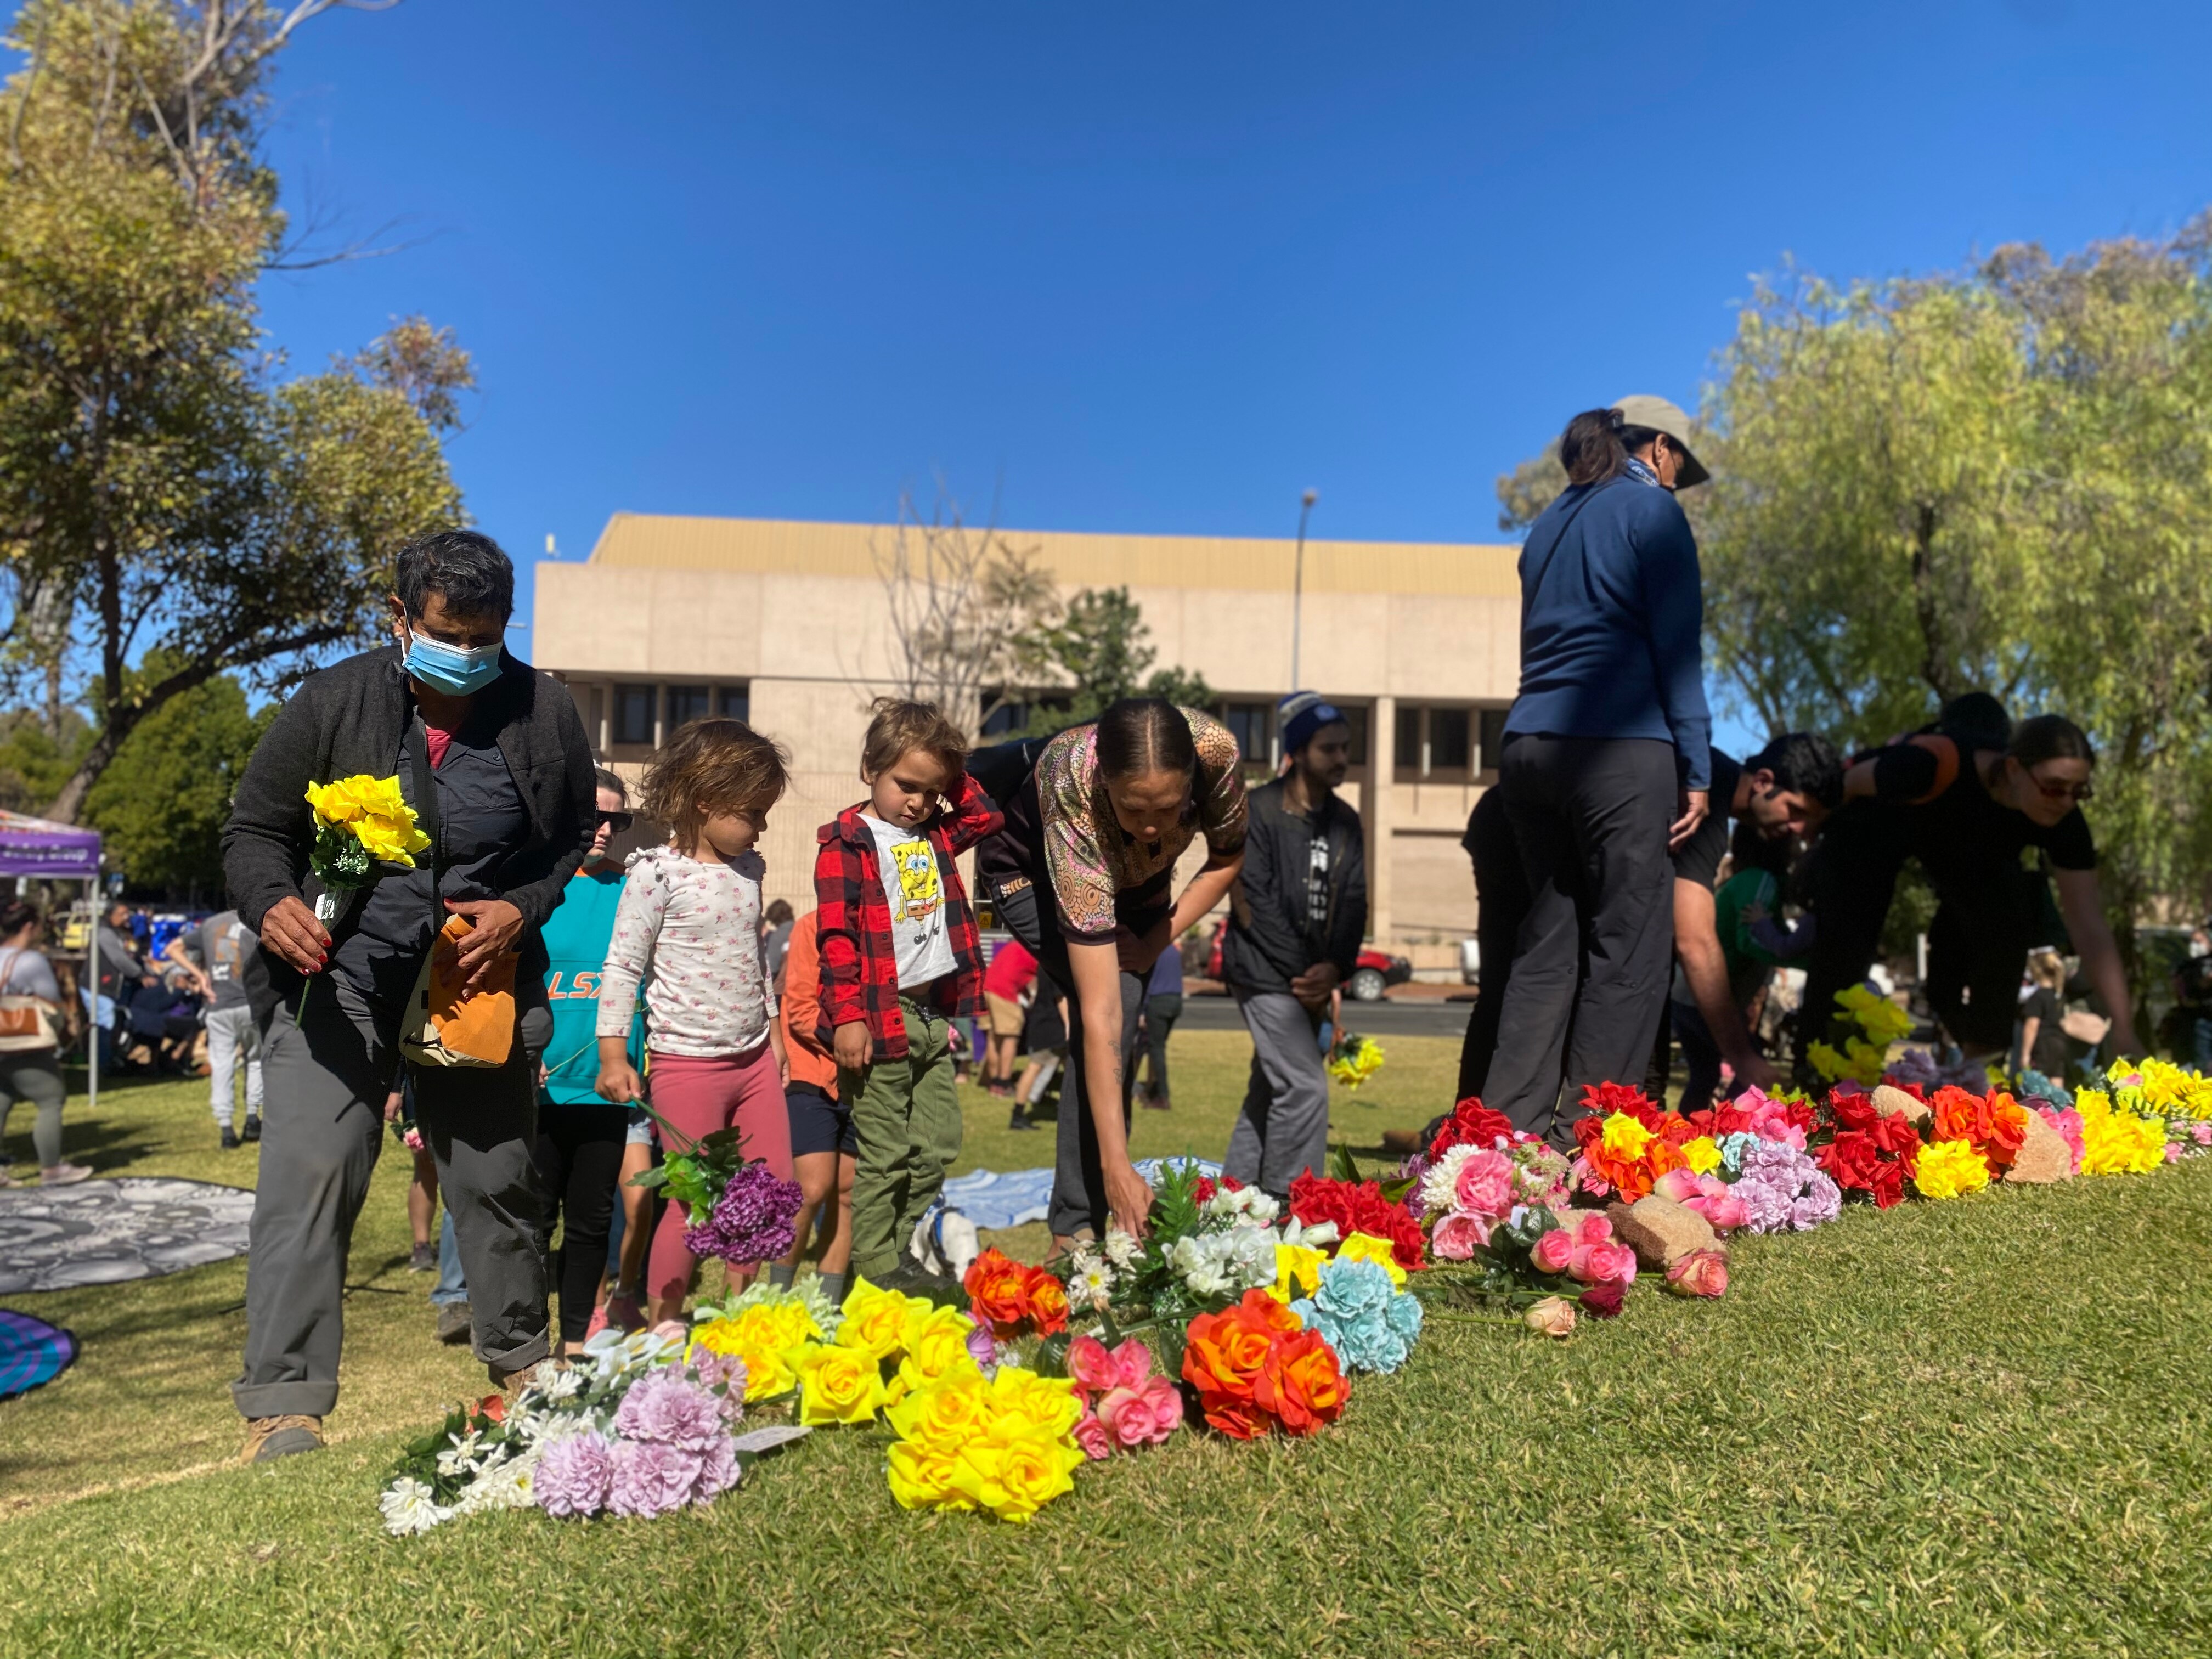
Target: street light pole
x: 1298, y: 583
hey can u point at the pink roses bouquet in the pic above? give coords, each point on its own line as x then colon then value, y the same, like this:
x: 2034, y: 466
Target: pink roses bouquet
x: 1126, y: 1403
x: 1583, y: 1247
x: 1708, y: 1195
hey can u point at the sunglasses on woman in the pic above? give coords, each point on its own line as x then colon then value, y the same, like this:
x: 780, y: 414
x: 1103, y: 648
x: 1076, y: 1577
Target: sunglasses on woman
x: 617, y: 822
x: 2062, y: 790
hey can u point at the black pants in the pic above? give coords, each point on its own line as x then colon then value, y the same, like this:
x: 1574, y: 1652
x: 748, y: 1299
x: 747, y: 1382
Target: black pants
x: 1078, y: 1182
x: 1977, y: 945
x: 578, y: 1156
x: 1501, y: 894
x: 1848, y: 881
x: 1590, y: 816
x: 1161, y: 1013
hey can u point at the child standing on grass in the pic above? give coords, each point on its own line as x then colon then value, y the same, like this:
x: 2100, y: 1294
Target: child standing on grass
x: 690, y: 913
x: 901, y: 960
x: 822, y: 1147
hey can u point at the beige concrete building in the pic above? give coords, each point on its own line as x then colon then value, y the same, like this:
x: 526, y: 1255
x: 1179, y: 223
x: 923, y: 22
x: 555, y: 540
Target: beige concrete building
x: 790, y: 626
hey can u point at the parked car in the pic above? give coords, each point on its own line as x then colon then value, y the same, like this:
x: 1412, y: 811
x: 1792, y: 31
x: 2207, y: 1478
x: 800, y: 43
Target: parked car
x: 1375, y: 973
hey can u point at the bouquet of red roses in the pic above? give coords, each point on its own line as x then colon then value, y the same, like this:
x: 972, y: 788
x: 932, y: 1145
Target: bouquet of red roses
x: 1866, y: 1153
x: 1360, y: 1208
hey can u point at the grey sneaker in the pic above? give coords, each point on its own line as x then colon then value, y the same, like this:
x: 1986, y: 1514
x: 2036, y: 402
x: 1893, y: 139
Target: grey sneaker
x: 424, y: 1261
x: 63, y: 1175
x: 455, y: 1323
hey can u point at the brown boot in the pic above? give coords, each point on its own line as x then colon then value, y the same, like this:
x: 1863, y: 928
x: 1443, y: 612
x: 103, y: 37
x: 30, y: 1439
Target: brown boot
x: 511, y: 1384
x: 268, y: 1438
x: 1403, y: 1142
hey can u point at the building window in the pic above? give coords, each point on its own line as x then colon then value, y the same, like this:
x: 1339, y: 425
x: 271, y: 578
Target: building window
x: 1448, y: 739
x: 1493, y: 738
x: 1450, y: 745
x: 1252, y: 724
x: 634, y: 713
x: 1410, y: 758
x: 735, y: 702
x: 1355, y: 718
x: 594, y: 711
x: 687, y: 703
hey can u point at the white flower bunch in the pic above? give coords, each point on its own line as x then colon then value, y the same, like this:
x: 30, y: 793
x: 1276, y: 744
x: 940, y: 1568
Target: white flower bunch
x: 410, y: 1507
x: 504, y: 1486
x: 1241, y: 1206
x: 1233, y: 1260
x: 1319, y: 1234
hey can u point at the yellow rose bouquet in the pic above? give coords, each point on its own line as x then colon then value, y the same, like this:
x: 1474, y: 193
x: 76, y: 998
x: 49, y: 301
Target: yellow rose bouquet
x: 359, y: 822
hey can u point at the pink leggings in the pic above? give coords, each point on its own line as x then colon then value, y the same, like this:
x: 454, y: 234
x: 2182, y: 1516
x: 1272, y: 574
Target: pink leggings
x: 698, y: 1096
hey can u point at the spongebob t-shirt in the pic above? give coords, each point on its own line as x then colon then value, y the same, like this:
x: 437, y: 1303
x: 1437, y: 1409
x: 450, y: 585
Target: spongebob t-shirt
x: 912, y: 883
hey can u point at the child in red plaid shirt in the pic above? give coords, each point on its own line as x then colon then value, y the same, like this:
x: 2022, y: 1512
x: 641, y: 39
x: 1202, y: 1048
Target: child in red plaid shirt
x: 900, y: 962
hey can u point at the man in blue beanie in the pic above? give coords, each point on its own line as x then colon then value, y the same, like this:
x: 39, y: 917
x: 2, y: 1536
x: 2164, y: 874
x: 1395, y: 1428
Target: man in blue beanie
x: 1295, y: 920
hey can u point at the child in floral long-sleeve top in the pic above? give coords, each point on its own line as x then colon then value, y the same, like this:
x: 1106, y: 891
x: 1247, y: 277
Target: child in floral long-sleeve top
x: 689, y: 926
x: 901, y: 960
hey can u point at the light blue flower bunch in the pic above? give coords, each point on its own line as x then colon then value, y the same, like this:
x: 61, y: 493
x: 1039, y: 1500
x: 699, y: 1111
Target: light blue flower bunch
x: 1369, y: 1322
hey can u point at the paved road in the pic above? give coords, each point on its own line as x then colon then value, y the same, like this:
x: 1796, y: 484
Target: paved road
x: 1380, y: 1019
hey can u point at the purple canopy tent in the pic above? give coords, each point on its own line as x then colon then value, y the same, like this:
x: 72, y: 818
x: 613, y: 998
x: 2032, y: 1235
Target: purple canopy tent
x: 61, y: 851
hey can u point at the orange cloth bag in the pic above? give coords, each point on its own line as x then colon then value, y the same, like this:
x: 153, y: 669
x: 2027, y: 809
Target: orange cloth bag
x: 448, y: 1027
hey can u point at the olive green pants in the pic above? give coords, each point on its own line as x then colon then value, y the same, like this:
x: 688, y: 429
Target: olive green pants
x: 906, y: 1119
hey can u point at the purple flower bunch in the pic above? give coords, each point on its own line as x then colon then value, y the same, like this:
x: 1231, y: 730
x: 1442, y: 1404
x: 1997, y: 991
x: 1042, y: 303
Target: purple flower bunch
x: 1782, y: 1190
x: 671, y: 1447
x: 752, y: 1221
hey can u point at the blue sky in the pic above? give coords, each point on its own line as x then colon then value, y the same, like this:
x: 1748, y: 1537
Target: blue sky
x: 1159, y: 269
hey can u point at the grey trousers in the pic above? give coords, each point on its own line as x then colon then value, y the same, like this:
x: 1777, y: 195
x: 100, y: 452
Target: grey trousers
x: 322, y: 1127
x: 232, y: 1035
x: 1079, y: 1203
x: 1283, y: 1131
x: 31, y: 1074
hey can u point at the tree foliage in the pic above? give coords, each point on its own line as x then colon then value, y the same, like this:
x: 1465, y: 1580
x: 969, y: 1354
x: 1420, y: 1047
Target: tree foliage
x: 162, y: 493
x: 161, y: 805
x: 1100, y: 649
x: 1998, y: 479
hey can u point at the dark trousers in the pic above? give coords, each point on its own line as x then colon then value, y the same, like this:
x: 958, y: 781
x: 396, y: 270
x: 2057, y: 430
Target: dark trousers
x: 1848, y: 879
x: 578, y: 1156
x: 1078, y: 1178
x: 1501, y: 892
x: 1701, y: 1058
x: 1590, y: 816
x: 1161, y: 1013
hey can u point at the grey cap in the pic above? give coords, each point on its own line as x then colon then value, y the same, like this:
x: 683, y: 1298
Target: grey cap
x: 1657, y: 413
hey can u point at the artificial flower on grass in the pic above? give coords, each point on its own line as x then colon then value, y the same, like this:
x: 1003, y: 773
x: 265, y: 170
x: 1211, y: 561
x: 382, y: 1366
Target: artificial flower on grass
x: 1011, y: 1296
x: 839, y: 1384
x: 1358, y: 1208
x: 2116, y: 1141
x: 1004, y: 1445
x: 1362, y: 1314
x: 768, y: 1331
x: 1993, y: 1124
x: 1866, y: 1023
x: 1126, y: 1403
x: 877, y: 1321
x: 1865, y: 1154
x: 1626, y: 1142
x: 1949, y: 1168
x: 1257, y: 1368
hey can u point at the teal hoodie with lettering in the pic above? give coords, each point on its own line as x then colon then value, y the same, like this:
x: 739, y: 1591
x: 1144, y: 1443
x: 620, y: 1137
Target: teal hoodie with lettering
x: 577, y: 936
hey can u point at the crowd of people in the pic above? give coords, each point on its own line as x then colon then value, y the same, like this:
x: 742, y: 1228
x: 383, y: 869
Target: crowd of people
x: 1637, y: 889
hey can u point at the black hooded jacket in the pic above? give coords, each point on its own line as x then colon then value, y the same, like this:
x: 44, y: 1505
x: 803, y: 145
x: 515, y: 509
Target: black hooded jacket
x: 1271, y: 938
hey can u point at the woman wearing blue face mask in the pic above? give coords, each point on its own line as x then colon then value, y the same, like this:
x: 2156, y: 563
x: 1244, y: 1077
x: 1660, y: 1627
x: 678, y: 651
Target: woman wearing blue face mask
x: 493, y: 758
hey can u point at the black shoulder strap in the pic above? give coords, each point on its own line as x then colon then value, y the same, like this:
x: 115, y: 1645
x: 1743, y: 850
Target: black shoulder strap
x: 426, y: 811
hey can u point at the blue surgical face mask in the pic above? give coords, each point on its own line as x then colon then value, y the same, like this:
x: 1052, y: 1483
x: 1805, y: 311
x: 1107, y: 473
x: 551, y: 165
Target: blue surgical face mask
x: 455, y: 670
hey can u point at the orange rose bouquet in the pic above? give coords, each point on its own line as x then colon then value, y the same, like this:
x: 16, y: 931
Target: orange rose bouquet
x: 1013, y: 1298
x: 1257, y: 1367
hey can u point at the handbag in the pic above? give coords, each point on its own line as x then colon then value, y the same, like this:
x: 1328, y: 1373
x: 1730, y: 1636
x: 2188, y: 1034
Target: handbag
x: 26, y: 1022
x: 446, y: 1025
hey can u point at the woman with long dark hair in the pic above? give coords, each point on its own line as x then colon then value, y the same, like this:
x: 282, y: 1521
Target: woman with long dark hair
x: 30, y: 1064
x: 1606, y: 764
x: 1082, y: 875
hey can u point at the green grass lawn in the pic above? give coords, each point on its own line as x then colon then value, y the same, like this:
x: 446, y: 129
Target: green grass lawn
x: 1974, y: 1428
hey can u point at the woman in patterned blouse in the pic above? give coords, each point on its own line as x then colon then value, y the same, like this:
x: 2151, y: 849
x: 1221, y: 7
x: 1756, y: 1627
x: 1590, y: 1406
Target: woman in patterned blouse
x: 1083, y: 874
